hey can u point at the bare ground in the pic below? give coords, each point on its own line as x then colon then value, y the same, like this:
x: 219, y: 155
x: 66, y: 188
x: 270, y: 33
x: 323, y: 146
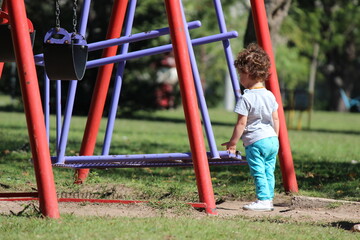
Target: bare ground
x: 343, y: 214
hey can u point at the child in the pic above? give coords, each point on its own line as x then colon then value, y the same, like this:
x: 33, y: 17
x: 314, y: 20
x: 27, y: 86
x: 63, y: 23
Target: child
x: 257, y: 124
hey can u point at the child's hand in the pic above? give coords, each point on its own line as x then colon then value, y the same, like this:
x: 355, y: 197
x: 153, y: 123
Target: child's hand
x: 230, y: 147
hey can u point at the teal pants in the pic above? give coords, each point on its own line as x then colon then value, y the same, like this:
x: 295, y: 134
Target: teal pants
x: 261, y: 157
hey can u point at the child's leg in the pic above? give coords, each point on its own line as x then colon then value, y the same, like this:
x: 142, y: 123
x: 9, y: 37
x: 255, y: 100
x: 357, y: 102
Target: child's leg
x: 256, y: 162
x: 270, y: 162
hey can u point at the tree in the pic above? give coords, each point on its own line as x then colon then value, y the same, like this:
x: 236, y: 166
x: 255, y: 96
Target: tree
x: 341, y: 46
x: 334, y: 26
x: 276, y: 11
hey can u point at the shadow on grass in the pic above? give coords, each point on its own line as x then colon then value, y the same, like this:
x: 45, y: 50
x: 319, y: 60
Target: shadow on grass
x: 337, y: 180
x: 153, y: 118
x: 343, y: 225
x: 332, y: 180
x: 11, y: 108
x: 170, y: 119
x: 333, y: 131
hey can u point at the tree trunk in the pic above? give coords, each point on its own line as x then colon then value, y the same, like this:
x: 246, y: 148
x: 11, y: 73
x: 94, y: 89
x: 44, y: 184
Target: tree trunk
x: 276, y: 11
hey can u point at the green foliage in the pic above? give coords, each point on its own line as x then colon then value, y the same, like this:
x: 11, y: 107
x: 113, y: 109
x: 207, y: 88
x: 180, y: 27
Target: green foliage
x: 293, y: 70
x: 333, y: 25
x: 139, y: 81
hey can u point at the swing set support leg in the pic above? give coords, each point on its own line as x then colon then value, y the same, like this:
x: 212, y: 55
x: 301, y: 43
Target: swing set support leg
x: 101, y: 88
x: 190, y: 104
x: 33, y: 109
x: 5, y: 9
x: 264, y: 40
x: 1, y: 68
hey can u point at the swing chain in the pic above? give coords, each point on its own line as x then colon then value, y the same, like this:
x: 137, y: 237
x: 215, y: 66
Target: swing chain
x: 57, y: 14
x: 75, y: 16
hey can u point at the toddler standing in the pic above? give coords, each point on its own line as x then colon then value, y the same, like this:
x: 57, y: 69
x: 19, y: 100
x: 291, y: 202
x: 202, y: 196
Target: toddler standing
x: 257, y: 124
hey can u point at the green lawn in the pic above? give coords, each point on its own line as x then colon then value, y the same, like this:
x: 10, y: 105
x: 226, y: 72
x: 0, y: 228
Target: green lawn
x: 72, y: 227
x: 326, y: 159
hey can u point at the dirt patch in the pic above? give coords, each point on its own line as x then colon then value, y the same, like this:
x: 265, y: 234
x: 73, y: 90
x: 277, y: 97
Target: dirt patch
x: 299, y: 209
x: 288, y: 209
x: 100, y: 191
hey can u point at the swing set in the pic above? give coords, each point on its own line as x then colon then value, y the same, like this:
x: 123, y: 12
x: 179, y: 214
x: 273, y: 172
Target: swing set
x: 65, y: 58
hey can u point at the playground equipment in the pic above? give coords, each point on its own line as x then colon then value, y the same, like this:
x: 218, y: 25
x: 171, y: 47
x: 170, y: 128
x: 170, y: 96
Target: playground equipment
x: 190, y: 87
x: 351, y: 104
x: 65, y: 54
x: 7, y: 51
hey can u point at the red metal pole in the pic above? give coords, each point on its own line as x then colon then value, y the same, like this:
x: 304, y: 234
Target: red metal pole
x: 101, y: 88
x: 1, y: 68
x: 190, y: 105
x: 5, y: 9
x: 33, y: 109
x: 4, y: 6
x: 264, y: 40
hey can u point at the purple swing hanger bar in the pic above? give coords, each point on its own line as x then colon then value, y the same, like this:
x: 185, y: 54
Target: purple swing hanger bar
x: 145, y: 52
x: 39, y: 58
x: 158, y: 50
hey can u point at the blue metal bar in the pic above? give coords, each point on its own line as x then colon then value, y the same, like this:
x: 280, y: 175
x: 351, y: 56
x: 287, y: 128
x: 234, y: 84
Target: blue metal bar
x: 72, y: 90
x: 58, y: 113
x: 158, y: 50
x: 126, y: 39
x: 200, y: 95
x: 47, y: 105
x: 118, y: 82
x: 227, y: 49
x: 136, y: 37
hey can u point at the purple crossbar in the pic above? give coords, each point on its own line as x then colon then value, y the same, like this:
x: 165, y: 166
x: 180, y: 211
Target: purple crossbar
x: 126, y: 39
x: 158, y: 50
x: 136, y: 37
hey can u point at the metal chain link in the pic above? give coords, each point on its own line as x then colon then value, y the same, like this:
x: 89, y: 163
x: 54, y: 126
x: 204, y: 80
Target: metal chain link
x: 75, y: 16
x: 57, y: 14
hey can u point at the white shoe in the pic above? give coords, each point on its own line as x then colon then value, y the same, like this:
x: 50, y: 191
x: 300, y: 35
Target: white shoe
x: 260, y: 205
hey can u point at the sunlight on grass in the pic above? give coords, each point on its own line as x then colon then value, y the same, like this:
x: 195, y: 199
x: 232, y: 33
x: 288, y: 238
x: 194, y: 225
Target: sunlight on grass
x: 72, y: 227
x: 326, y: 157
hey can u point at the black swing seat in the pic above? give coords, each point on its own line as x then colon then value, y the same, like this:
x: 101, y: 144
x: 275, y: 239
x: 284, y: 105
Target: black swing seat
x: 7, y: 53
x: 65, y: 55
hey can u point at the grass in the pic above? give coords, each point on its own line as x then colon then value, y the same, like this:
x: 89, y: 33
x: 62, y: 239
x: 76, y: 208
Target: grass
x: 72, y: 227
x: 326, y: 159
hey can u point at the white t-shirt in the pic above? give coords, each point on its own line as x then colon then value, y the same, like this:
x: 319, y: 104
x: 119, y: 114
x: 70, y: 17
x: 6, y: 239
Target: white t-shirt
x: 258, y: 105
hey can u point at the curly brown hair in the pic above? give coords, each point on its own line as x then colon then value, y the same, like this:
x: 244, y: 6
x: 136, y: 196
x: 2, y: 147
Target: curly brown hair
x: 254, y: 61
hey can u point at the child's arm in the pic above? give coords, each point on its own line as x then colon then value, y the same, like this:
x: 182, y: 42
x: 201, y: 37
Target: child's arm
x: 237, y: 133
x: 276, y: 121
